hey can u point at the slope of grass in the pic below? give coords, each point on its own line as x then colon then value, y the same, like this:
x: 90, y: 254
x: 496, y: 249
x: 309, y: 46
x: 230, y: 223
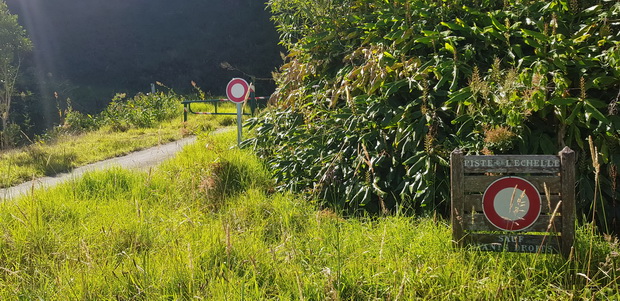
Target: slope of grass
x: 69, y: 151
x: 207, y: 225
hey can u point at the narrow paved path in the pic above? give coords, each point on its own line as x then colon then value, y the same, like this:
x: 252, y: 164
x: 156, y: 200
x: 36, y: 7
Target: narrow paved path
x: 140, y: 160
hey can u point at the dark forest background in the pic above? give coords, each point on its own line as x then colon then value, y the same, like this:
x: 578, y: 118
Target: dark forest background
x: 88, y: 50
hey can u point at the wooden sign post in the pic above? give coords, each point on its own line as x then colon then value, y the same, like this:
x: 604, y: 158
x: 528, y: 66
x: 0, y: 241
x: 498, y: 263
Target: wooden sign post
x: 514, y: 203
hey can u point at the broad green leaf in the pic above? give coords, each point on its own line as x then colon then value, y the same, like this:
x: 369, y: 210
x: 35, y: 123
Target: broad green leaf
x: 450, y: 48
x: 560, y: 62
x: 516, y: 49
x: 493, y: 32
x: 577, y: 136
x: 594, y: 112
x: 393, y: 87
x: 602, y: 82
x: 395, y: 34
x: 462, y: 118
x: 453, y: 26
x: 591, y: 9
x: 497, y: 24
x: 466, y: 127
x: 366, y: 199
x: 605, y: 153
x: 430, y: 33
x: 576, y: 111
x: 425, y: 40
x: 532, y: 42
x: 563, y: 101
x: 547, y: 145
x: 441, y: 81
x: 597, y: 103
x: 537, y: 35
x: 342, y: 116
x: 455, y: 74
x: 580, y: 39
x: 388, y: 55
x: 459, y: 96
x: 584, y: 30
x: 378, y: 190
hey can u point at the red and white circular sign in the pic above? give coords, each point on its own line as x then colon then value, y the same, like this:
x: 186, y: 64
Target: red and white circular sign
x: 237, y: 90
x: 511, y: 203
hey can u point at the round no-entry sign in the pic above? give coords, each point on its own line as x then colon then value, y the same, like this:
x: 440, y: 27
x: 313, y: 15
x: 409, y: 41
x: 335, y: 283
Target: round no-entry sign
x: 511, y: 203
x: 237, y: 90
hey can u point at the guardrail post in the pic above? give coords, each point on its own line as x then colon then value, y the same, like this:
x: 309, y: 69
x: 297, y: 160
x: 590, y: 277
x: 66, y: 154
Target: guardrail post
x: 185, y: 112
x: 253, y: 102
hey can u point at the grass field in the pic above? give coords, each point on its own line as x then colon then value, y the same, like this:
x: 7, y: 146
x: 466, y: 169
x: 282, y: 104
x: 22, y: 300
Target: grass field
x: 67, y: 151
x: 208, y: 225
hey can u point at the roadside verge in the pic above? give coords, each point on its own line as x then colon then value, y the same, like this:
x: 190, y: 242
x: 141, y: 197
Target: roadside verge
x: 140, y: 160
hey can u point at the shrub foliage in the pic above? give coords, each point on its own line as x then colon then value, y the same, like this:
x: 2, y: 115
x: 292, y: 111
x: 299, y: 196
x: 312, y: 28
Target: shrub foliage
x: 374, y: 95
x: 141, y: 111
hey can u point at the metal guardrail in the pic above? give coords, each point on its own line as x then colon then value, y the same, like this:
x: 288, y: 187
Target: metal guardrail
x: 254, y: 103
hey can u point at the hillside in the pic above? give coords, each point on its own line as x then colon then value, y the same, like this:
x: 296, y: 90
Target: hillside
x: 90, y: 50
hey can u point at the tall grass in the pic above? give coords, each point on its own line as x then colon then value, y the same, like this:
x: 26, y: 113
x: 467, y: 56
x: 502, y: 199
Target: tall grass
x: 207, y: 225
x: 67, y: 150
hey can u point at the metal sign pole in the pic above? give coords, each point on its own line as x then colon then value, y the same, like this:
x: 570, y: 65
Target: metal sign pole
x: 239, y: 124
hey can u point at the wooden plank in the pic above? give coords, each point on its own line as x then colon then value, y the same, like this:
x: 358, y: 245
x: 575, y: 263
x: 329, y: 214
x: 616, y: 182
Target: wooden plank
x: 473, y: 203
x: 567, y: 157
x: 456, y: 196
x: 479, y: 222
x: 480, y: 183
x: 543, y: 164
x: 512, y: 242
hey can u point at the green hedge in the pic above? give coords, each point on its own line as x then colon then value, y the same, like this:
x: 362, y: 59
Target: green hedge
x: 374, y: 95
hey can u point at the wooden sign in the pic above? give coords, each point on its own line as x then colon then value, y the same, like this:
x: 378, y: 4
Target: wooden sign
x: 515, y: 203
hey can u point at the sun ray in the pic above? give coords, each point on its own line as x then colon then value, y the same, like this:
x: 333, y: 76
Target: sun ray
x: 31, y: 14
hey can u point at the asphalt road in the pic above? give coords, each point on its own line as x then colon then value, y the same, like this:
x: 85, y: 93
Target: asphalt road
x: 140, y: 160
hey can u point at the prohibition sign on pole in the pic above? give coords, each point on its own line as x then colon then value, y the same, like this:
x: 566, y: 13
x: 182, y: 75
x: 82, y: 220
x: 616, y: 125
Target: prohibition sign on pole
x: 511, y: 203
x: 237, y: 90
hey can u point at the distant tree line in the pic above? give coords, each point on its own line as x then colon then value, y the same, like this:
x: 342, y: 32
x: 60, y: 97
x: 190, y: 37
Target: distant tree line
x: 14, y: 44
x: 89, y: 50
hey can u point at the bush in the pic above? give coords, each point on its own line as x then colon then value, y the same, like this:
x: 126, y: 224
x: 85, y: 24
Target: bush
x: 141, y: 111
x: 78, y: 122
x: 12, y: 136
x: 374, y: 95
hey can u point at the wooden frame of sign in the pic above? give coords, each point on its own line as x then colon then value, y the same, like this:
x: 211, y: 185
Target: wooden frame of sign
x: 552, y: 231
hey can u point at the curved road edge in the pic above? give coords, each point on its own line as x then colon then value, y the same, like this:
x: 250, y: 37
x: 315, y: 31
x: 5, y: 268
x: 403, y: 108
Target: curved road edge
x: 139, y: 160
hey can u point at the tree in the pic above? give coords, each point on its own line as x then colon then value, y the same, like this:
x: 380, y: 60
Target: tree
x: 14, y: 43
